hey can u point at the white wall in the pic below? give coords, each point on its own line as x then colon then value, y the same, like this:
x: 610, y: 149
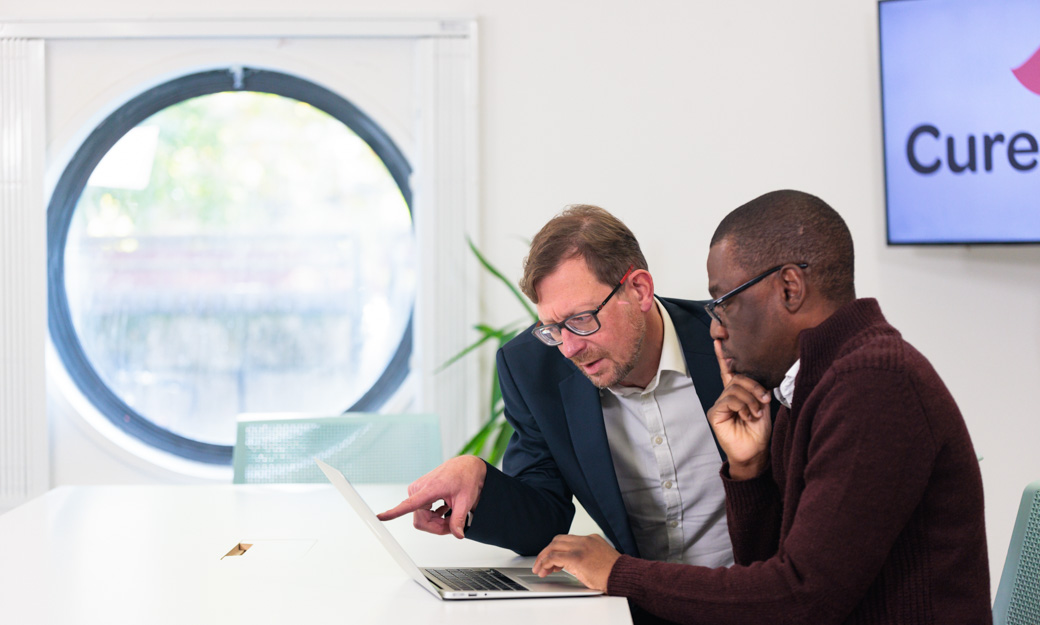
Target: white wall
x: 673, y: 113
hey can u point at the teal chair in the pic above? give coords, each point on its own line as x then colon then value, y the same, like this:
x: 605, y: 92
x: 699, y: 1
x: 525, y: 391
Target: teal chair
x: 366, y: 447
x: 1018, y: 596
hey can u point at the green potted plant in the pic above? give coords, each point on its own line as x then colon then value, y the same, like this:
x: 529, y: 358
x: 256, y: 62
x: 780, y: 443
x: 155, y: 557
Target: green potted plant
x: 490, y: 441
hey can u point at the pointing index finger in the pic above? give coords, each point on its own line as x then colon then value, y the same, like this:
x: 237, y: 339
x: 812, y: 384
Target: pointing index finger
x: 410, y: 504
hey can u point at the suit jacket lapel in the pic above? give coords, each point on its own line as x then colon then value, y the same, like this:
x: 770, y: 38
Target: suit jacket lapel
x: 584, y: 415
x: 589, y: 435
x: 699, y: 351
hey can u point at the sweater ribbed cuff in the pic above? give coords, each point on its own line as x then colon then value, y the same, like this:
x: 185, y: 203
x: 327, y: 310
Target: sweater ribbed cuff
x: 746, y: 496
x: 626, y: 578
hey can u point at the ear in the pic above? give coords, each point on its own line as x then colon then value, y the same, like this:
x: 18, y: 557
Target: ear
x: 641, y: 286
x: 793, y: 286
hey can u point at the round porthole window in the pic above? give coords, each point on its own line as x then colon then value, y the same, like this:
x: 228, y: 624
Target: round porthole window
x: 233, y: 241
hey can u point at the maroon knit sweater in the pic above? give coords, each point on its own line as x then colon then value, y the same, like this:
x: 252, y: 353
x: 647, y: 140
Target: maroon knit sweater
x: 872, y: 509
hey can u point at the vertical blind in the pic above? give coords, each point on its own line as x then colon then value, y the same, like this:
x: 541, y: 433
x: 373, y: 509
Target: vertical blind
x: 23, y: 313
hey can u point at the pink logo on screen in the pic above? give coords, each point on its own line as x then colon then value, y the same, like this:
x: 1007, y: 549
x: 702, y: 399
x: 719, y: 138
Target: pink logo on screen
x: 1028, y: 73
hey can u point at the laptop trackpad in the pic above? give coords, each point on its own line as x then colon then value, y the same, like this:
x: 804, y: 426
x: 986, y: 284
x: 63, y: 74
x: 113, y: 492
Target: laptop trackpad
x: 556, y: 580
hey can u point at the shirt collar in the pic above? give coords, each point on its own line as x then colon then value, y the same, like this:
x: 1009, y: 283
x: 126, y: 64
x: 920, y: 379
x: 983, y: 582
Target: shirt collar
x: 671, y: 357
x: 785, y: 392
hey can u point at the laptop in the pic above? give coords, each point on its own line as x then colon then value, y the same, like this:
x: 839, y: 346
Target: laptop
x: 461, y: 582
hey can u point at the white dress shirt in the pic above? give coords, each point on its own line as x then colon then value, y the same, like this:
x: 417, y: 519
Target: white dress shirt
x: 667, y: 464
x: 785, y: 392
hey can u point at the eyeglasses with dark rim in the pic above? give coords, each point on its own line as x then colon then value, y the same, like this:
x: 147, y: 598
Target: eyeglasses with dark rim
x: 721, y: 301
x: 582, y: 324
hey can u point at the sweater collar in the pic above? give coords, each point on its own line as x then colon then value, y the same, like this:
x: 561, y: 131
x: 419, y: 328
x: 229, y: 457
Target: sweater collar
x: 820, y: 346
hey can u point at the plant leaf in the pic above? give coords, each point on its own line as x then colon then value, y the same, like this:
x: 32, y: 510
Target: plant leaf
x: 495, y: 272
x: 503, y: 335
x: 505, y: 432
x: 496, y: 391
x: 476, y: 444
x: 496, y: 423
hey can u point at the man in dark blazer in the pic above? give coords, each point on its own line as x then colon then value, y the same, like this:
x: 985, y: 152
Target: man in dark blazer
x: 608, y: 400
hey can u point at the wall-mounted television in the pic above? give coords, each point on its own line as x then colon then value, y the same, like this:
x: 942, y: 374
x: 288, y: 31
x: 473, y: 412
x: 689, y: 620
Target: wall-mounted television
x: 960, y: 85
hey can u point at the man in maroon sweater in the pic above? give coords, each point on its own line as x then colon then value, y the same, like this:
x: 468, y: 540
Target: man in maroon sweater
x: 862, y: 502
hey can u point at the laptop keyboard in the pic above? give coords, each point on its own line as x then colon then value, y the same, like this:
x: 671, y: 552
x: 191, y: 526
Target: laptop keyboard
x: 474, y: 579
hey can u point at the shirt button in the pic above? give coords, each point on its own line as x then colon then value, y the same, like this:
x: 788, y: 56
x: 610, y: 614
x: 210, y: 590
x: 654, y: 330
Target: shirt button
x: 658, y: 440
x: 673, y: 524
x: 668, y: 484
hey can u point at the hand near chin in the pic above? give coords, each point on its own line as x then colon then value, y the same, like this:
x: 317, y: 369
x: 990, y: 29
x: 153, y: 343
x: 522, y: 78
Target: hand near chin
x: 589, y: 558
x: 741, y: 420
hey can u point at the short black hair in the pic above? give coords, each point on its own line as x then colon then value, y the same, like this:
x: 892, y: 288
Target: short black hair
x: 793, y: 227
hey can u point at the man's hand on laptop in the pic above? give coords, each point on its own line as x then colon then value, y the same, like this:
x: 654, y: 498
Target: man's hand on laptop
x: 456, y: 484
x: 589, y: 558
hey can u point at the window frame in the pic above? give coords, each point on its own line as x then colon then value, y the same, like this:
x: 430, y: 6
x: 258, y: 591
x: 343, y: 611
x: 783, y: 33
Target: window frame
x: 73, y: 181
x: 53, y: 109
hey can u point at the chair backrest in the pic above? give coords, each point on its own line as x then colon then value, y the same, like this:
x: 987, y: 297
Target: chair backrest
x: 366, y: 447
x: 1018, y: 596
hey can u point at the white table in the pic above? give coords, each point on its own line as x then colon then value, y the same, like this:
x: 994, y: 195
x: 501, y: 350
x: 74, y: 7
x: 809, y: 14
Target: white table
x: 153, y: 555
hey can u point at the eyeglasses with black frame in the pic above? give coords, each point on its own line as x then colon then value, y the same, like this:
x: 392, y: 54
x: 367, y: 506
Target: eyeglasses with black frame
x: 582, y: 324
x: 718, y: 305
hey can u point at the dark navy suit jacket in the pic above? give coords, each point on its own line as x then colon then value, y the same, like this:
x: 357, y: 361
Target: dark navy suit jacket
x: 560, y: 444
